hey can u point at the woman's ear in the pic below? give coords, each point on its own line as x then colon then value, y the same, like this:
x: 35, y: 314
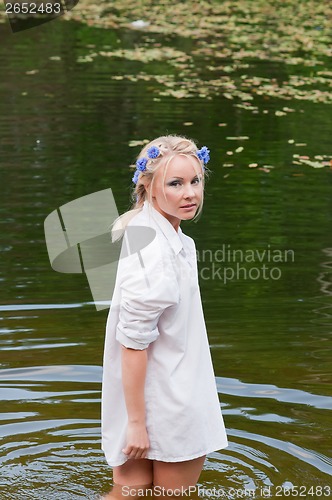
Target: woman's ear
x: 147, y: 188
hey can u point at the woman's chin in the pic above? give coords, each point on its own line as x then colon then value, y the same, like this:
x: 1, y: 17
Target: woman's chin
x: 188, y: 216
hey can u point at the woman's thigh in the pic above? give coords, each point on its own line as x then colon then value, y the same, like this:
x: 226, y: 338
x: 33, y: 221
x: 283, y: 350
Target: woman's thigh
x: 172, y: 475
x: 134, y: 472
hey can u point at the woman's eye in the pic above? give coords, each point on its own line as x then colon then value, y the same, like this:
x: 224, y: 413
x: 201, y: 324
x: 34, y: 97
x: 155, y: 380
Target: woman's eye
x: 178, y: 183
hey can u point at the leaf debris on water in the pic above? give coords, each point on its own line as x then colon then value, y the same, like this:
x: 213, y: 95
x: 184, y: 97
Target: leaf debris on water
x: 242, y: 35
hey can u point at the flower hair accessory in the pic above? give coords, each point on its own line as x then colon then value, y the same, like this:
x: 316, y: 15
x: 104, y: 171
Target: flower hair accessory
x: 152, y: 153
x: 202, y: 154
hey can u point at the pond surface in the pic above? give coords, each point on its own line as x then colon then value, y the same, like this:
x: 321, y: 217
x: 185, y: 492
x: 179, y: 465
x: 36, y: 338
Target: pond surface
x: 66, y: 128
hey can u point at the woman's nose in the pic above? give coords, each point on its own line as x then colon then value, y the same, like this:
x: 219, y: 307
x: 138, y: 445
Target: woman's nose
x: 189, y: 191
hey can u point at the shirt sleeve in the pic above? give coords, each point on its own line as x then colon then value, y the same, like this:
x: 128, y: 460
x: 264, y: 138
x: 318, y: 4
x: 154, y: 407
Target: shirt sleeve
x: 148, y: 286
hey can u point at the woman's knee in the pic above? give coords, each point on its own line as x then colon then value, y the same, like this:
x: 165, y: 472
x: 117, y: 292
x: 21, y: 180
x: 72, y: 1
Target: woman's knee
x: 133, y: 472
x: 174, y: 475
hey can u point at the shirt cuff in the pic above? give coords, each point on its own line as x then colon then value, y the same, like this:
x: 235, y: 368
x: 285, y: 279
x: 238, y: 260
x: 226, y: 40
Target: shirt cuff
x: 135, y: 339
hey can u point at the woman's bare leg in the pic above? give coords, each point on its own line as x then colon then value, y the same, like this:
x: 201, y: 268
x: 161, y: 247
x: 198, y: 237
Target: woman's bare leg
x: 133, y: 472
x: 145, y: 474
x: 174, y: 475
x: 120, y: 492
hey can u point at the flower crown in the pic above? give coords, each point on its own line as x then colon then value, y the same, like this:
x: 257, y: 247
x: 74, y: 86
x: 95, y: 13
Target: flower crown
x: 203, y: 154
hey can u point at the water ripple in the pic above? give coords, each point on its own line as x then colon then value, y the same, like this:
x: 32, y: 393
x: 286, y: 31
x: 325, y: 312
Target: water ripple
x: 317, y: 460
x: 235, y: 387
x: 69, y: 448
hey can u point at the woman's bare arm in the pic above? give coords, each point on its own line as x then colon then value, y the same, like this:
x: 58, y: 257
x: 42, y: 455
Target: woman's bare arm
x: 134, y: 363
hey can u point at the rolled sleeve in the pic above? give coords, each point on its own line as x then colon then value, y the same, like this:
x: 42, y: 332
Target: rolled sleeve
x: 148, y: 287
x: 136, y: 328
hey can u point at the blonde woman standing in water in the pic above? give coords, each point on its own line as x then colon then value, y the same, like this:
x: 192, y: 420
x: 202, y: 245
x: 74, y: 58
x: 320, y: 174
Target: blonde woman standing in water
x: 160, y: 409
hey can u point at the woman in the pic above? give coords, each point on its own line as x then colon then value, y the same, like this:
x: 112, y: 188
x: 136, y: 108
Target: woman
x: 160, y: 408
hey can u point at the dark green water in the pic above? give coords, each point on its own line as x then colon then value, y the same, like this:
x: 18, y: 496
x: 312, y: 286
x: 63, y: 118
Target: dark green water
x: 64, y: 133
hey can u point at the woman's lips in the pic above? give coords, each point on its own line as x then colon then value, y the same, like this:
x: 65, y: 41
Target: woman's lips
x: 191, y: 205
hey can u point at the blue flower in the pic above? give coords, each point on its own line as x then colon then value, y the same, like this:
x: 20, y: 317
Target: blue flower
x: 153, y: 152
x: 203, y: 154
x: 141, y: 164
x: 135, y: 178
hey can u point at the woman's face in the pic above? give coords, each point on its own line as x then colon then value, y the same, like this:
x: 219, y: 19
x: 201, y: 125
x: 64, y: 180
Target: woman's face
x: 183, y: 190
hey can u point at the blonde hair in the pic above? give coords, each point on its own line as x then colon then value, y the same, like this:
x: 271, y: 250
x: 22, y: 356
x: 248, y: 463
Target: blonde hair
x: 169, y: 146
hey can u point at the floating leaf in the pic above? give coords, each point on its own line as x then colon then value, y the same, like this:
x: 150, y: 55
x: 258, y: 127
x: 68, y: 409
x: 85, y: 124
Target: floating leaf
x: 85, y: 59
x: 264, y: 169
x: 138, y: 143
x: 314, y: 164
x: 240, y: 138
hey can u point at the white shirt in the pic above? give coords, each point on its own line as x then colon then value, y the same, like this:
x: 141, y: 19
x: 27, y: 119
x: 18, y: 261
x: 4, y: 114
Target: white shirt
x: 156, y: 305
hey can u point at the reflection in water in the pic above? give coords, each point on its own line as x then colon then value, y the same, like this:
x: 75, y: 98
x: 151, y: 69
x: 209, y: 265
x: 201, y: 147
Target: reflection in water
x: 324, y: 277
x: 325, y: 282
x: 151, y: 492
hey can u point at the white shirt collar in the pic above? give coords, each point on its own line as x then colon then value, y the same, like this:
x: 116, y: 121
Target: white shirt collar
x: 174, y: 237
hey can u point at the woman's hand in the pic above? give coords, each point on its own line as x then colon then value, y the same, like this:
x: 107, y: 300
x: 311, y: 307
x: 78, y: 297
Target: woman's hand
x: 137, y: 441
